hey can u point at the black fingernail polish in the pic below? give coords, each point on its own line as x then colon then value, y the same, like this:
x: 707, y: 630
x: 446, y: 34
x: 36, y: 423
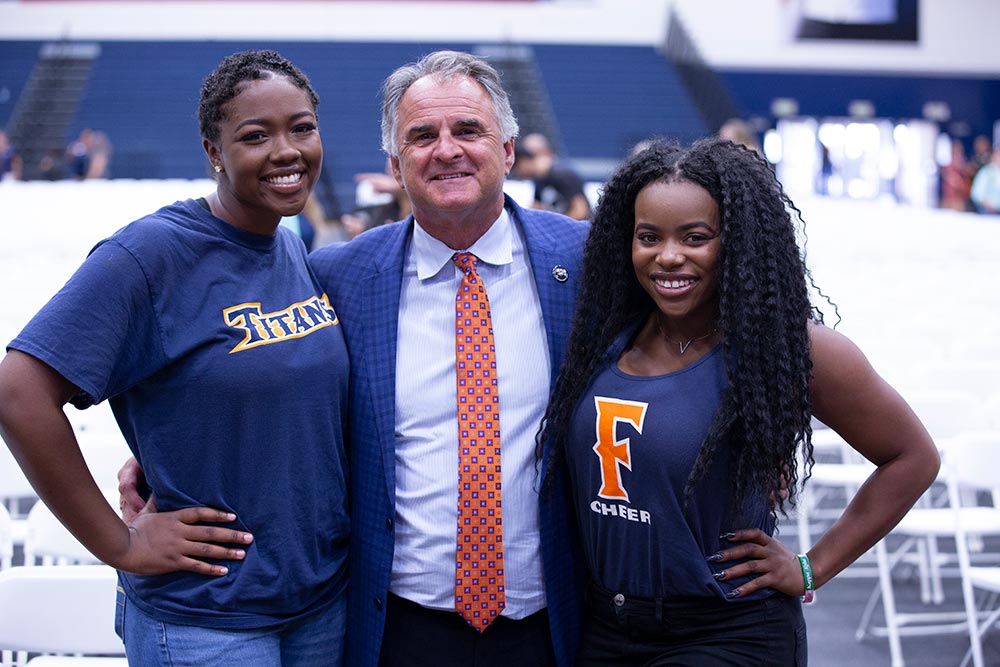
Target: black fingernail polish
x: 727, y: 536
x: 733, y: 593
x: 714, y: 558
x: 719, y: 576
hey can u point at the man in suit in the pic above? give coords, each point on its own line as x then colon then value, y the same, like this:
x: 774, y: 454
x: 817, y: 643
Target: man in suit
x: 449, y: 131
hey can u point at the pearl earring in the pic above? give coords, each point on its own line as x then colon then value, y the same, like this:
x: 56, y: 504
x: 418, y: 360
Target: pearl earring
x: 218, y: 168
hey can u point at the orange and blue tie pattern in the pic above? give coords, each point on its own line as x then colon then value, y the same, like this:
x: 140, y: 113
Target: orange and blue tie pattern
x: 479, y: 576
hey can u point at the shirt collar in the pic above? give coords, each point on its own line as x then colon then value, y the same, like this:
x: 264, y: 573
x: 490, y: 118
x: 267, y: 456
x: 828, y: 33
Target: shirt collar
x: 494, y: 247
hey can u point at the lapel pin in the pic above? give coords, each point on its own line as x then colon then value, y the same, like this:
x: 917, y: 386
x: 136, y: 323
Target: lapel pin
x: 560, y: 273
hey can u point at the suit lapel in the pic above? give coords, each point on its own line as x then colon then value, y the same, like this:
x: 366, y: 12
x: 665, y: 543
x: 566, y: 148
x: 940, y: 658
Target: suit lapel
x: 554, y: 295
x: 381, y: 308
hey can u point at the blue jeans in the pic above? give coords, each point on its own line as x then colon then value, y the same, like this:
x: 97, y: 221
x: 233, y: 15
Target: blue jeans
x: 316, y: 640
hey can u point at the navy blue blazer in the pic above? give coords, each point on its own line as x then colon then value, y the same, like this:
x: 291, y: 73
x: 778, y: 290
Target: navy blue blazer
x: 363, y: 279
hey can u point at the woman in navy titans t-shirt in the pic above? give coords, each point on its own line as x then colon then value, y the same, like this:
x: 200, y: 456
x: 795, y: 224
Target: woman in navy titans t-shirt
x: 224, y: 363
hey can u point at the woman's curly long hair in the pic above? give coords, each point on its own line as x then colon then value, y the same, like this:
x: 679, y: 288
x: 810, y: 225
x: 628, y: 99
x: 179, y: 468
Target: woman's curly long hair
x: 764, y: 309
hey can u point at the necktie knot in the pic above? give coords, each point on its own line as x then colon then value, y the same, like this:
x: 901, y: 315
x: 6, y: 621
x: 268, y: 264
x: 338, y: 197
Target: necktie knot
x: 465, y: 261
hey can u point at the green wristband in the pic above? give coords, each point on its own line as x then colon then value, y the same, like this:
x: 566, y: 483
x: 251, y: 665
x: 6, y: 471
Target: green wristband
x: 807, y: 579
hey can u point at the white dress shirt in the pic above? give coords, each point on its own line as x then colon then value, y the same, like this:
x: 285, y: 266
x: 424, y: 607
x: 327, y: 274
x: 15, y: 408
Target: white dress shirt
x: 426, y: 431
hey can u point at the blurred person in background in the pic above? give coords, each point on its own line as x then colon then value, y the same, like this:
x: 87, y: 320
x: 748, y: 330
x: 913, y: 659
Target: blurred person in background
x: 51, y: 166
x: 557, y: 186
x: 982, y: 152
x: 11, y: 165
x: 956, y: 179
x: 391, y: 202
x: 740, y: 132
x: 89, y: 155
x: 224, y: 363
x: 986, y: 186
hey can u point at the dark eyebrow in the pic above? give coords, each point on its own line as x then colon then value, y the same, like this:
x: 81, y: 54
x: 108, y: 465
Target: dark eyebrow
x: 692, y: 225
x: 470, y: 122
x: 419, y: 129
x: 262, y: 121
x: 428, y: 127
x: 687, y: 226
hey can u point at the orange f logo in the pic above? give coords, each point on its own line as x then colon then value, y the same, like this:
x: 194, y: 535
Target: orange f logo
x: 612, y: 452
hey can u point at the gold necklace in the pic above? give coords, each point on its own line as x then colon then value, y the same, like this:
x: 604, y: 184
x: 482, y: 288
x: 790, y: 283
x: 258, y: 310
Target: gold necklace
x: 683, y: 346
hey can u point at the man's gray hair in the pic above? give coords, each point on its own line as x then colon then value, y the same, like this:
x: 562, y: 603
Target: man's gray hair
x: 443, y: 65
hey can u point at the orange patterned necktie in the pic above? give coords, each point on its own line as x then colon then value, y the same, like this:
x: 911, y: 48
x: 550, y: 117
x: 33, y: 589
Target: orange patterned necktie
x: 479, y: 580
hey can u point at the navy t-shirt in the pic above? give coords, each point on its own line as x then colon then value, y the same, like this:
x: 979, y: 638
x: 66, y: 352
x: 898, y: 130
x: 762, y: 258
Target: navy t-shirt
x: 226, y: 369
x: 631, y: 448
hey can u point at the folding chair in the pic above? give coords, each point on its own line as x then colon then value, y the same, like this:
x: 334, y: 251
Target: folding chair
x: 971, y: 461
x: 16, y: 494
x: 838, y: 470
x: 984, y: 579
x: 945, y: 413
x: 14, y: 486
x: 6, y: 539
x: 48, y: 542
x: 57, y: 609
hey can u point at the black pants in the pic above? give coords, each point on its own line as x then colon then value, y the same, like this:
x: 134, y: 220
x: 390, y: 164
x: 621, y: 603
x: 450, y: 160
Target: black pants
x: 693, y: 632
x: 416, y: 636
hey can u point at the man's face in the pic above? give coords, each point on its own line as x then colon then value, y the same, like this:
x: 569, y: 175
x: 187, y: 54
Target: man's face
x: 452, y: 158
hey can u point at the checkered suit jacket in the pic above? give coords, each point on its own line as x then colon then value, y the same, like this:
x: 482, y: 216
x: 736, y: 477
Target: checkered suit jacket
x: 363, y: 279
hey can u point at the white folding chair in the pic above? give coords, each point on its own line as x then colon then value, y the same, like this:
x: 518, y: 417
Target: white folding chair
x: 6, y: 539
x: 972, y: 462
x: 834, y: 479
x: 16, y: 494
x: 983, y: 579
x: 48, y: 542
x: 945, y: 412
x: 959, y: 521
x: 14, y: 486
x: 56, y: 609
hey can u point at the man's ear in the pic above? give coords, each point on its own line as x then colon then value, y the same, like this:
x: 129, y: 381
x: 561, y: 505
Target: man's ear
x: 397, y: 173
x: 508, y: 149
